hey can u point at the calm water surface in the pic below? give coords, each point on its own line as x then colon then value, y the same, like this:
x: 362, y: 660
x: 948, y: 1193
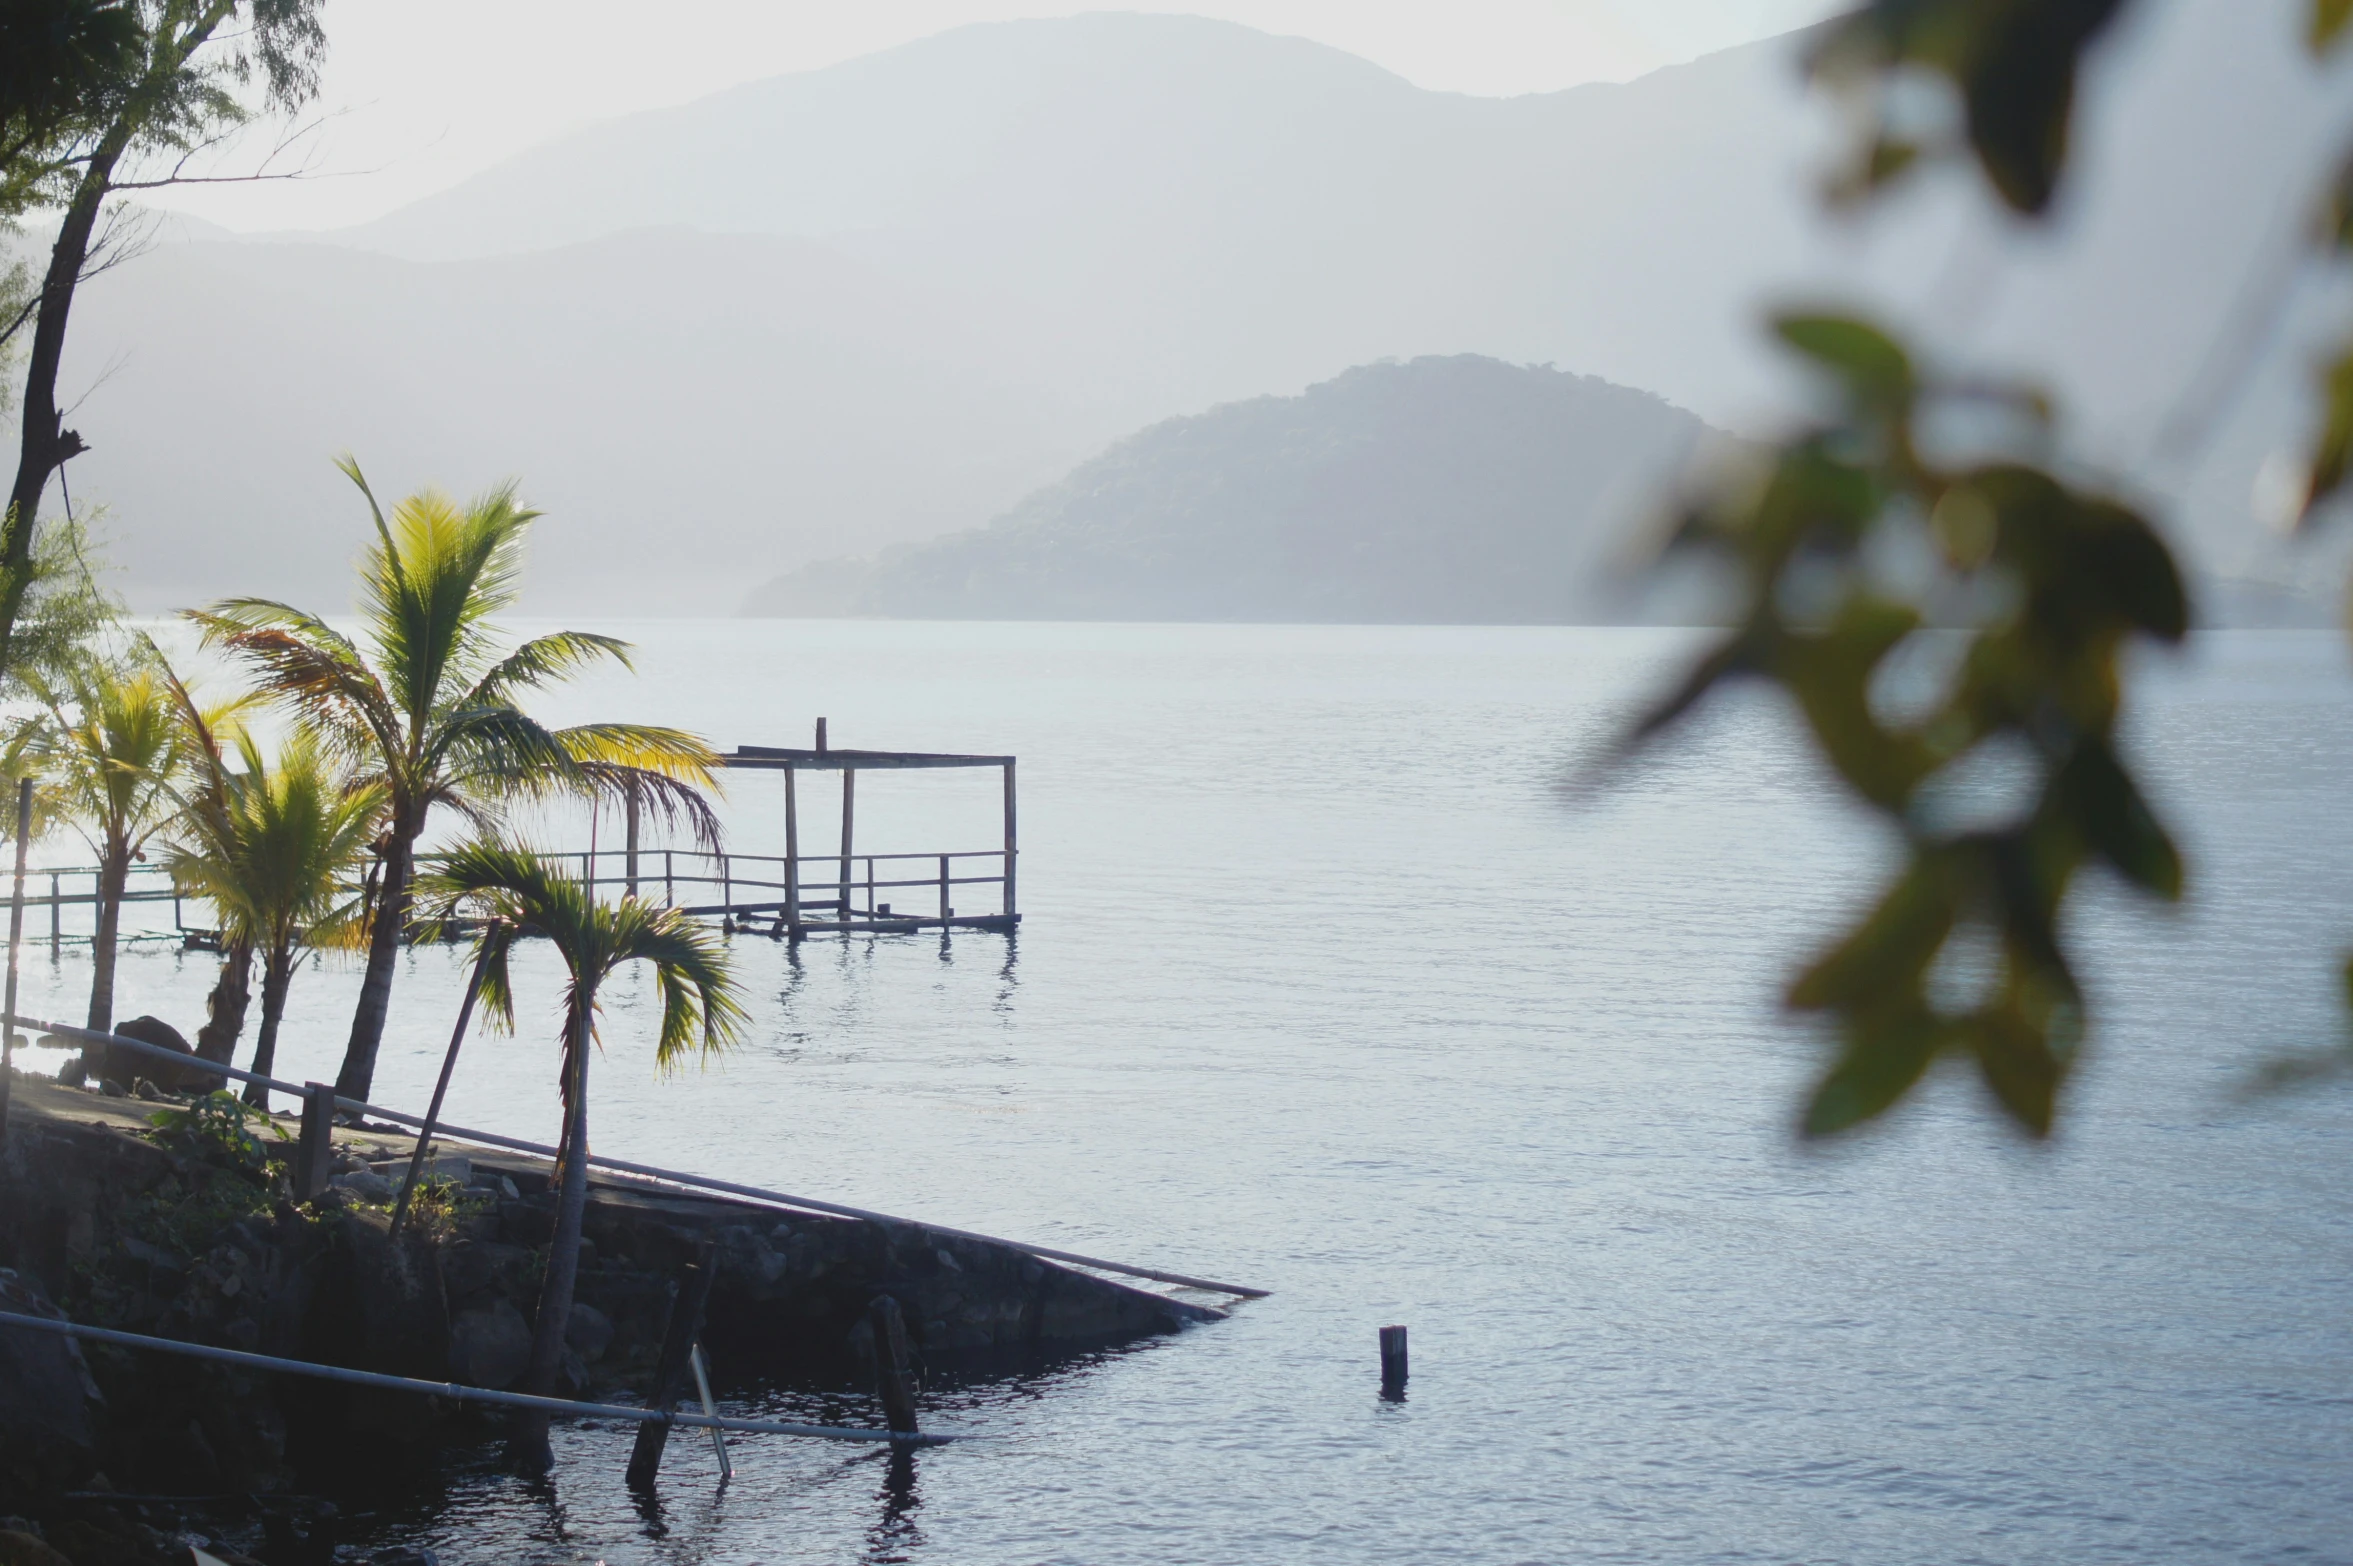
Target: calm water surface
x: 1327, y: 985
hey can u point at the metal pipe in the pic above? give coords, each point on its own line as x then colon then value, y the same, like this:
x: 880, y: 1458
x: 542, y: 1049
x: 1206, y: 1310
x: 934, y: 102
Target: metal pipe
x: 673, y: 1176
x: 16, y: 936
x: 702, y: 1384
x: 454, y: 1390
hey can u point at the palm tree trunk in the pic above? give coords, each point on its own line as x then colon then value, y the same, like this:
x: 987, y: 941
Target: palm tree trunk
x: 277, y: 973
x: 375, y: 992
x: 111, y: 878
x: 527, y: 1446
x: 224, y: 1018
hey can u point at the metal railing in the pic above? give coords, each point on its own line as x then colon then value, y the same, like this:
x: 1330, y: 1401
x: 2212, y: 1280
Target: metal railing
x: 852, y: 886
x: 317, y: 1096
x: 827, y: 891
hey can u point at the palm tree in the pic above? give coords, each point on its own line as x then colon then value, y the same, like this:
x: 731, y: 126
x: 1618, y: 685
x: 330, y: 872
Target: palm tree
x: 518, y: 891
x: 427, y: 708
x: 275, y: 850
x: 116, y: 749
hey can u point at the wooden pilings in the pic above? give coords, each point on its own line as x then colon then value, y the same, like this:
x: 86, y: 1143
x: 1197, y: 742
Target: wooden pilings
x: 1393, y: 1364
x: 678, y: 1341
x: 314, y: 1145
x: 1012, y: 907
x: 891, y: 1375
x: 792, y: 857
x: 849, y: 817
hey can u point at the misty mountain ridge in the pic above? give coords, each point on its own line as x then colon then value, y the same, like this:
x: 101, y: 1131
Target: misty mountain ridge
x: 1457, y: 490
x: 821, y: 315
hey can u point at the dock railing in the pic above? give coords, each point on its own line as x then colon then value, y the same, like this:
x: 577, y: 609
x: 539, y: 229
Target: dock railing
x: 809, y: 892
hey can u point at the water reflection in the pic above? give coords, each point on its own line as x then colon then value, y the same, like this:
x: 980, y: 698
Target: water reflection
x: 895, y: 1536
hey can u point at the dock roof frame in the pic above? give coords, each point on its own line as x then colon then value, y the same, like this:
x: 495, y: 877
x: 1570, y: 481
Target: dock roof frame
x: 849, y: 763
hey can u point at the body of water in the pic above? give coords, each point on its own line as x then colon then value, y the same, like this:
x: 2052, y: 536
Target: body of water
x: 1329, y: 984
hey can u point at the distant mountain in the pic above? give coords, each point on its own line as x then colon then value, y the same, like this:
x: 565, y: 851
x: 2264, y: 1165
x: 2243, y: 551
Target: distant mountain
x: 1454, y: 490
x: 823, y: 314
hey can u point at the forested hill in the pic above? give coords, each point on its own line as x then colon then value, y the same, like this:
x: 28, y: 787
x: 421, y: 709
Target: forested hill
x: 1443, y: 490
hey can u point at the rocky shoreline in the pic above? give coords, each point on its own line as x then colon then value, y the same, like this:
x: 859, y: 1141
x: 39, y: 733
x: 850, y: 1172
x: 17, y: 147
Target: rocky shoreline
x: 181, y: 1230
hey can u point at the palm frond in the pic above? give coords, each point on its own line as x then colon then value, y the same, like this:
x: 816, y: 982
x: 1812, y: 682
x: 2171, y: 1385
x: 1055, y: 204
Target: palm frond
x: 701, y: 1006
x: 543, y: 660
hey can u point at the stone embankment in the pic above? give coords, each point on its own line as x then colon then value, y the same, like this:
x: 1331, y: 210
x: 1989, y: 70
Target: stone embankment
x: 183, y: 1231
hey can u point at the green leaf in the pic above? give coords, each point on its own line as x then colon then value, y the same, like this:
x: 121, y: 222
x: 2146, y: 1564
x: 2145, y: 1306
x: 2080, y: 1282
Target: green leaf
x: 2019, y: 89
x: 1891, y: 949
x: 1867, y: 359
x: 2332, y: 453
x: 1878, y: 1068
x: 1831, y: 674
x: 2018, y: 1066
x: 2328, y: 22
x: 2136, y: 569
x: 2110, y: 812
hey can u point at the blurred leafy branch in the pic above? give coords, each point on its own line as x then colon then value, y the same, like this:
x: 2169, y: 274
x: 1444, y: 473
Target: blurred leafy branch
x: 1923, y: 502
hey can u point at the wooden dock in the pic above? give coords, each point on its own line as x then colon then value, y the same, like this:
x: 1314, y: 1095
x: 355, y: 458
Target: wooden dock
x: 791, y: 895
x: 795, y: 895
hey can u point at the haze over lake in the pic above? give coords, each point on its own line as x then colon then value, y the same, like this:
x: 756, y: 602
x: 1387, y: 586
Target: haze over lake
x: 1326, y: 986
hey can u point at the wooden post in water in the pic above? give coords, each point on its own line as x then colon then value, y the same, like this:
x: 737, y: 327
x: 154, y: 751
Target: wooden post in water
x: 678, y: 1339
x: 1393, y: 1362
x: 316, y: 1143
x: 56, y: 918
x: 890, y: 1365
x: 16, y: 936
x: 849, y: 815
x: 1011, y: 906
x: 945, y: 911
x: 792, y: 858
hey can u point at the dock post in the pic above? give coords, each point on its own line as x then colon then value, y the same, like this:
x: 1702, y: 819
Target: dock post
x: 316, y: 1143
x: 726, y: 889
x: 946, y: 913
x: 56, y: 918
x: 1393, y: 1363
x: 631, y: 854
x: 16, y: 936
x: 890, y: 1365
x: 678, y: 1339
x: 849, y: 814
x: 1011, y: 905
x: 669, y: 881
x: 792, y: 858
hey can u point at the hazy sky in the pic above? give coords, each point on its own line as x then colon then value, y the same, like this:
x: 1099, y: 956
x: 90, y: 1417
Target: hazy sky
x: 421, y: 93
